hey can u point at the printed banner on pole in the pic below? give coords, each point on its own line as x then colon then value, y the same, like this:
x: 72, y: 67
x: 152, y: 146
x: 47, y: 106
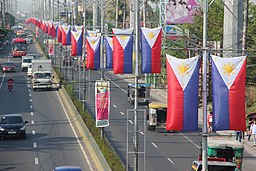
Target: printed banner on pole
x: 228, y: 93
x: 50, y: 47
x: 102, y: 103
x: 151, y: 40
x: 182, y: 105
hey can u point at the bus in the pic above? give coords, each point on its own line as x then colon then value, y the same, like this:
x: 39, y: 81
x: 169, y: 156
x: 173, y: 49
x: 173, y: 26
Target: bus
x: 19, y: 47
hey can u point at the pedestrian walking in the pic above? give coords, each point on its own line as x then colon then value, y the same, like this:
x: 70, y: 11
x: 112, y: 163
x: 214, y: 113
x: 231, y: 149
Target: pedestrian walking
x: 253, y: 130
x: 249, y: 133
x: 239, y: 135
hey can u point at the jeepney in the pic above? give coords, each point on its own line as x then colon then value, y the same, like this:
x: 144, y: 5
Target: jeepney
x: 156, y: 115
x: 226, y: 148
x: 143, y: 93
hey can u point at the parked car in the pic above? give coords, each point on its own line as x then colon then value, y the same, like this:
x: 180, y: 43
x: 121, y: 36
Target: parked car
x: 12, y: 125
x: 67, y: 168
x: 8, y: 67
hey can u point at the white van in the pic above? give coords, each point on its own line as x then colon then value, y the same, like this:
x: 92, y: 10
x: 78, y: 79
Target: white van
x: 26, y: 61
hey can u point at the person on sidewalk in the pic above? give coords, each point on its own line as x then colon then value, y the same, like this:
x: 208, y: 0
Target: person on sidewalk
x: 253, y: 128
x: 239, y: 136
x: 250, y: 129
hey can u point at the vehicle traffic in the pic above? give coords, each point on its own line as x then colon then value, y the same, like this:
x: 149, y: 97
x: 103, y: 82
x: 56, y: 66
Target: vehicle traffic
x: 214, y: 166
x: 25, y: 62
x: 143, y: 93
x: 19, y: 47
x: 67, y: 168
x: 29, y: 39
x: 8, y: 67
x: 12, y: 125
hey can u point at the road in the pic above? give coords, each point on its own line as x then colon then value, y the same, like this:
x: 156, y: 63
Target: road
x: 51, y: 140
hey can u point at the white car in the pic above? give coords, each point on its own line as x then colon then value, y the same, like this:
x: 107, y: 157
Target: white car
x: 29, y: 39
x: 25, y: 62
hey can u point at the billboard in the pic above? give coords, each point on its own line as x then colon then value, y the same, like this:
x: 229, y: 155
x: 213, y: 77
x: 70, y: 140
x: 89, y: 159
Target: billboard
x: 102, y: 103
x: 173, y: 32
x: 180, y: 11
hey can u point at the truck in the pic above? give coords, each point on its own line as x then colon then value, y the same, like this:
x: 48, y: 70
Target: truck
x: 19, y: 47
x: 42, y: 76
x: 26, y: 61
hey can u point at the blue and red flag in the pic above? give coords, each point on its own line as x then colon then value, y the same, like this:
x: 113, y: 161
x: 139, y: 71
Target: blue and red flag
x: 182, y: 105
x: 91, y: 33
x: 109, y: 52
x: 76, y: 43
x: 151, y: 50
x: 49, y: 28
x: 228, y: 93
x: 54, y: 30
x: 93, y: 52
x: 78, y: 28
x: 66, y: 35
x: 59, y: 34
x: 122, y: 51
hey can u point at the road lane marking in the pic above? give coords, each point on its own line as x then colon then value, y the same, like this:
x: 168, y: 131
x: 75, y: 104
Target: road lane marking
x: 117, y: 85
x: 131, y: 121
x: 2, y: 81
x: 29, y: 90
x: 36, y: 161
x: 32, y: 113
x: 190, y: 140
x: 77, y: 139
x: 32, y: 122
x: 34, y: 145
x: 31, y: 106
x: 30, y: 100
x: 141, y: 132
x: 30, y: 94
x: 122, y: 113
x: 33, y: 132
x: 114, y: 106
x: 154, y: 145
x: 28, y: 86
x: 170, y: 160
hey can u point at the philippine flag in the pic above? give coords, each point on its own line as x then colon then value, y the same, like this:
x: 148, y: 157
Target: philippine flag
x: 49, y: 28
x: 109, y: 52
x: 182, y: 105
x: 122, y: 51
x: 77, y: 43
x: 54, y: 29
x: 91, y: 33
x: 93, y: 52
x: 151, y: 50
x: 59, y: 31
x: 78, y: 28
x: 228, y: 93
x: 66, y: 35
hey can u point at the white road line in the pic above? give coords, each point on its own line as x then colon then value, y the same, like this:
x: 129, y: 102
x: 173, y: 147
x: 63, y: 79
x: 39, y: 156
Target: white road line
x: 122, y: 113
x: 141, y: 132
x: 114, y: 106
x: 154, y: 145
x: 34, y: 145
x: 170, y: 160
x: 30, y: 100
x: 32, y: 113
x: 36, y: 161
x: 33, y: 132
x: 77, y: 139
x: 32, y: 122
x: 190, y: 140
x: 2, y: 81
x: 29, y: 90
x: 28, y: 86
x: 29, y: 95
x: 28, y: 82
x: 131, y: 121
x: 117, y: 85
x: 31, y: 106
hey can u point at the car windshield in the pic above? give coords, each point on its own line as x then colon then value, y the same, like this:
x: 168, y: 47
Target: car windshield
x: 27, y: 60
x: 11, y: 120
x: 43, y: 75
x: 8, y: 64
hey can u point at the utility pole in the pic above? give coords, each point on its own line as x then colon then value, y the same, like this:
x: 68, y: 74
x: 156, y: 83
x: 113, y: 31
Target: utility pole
x: 246, y: 5
x: 204, y: 95
x: 3, y: 12
x: 136, y: 130
x: 124, y: 15
x: 117, y: 13
x: 95, y: 15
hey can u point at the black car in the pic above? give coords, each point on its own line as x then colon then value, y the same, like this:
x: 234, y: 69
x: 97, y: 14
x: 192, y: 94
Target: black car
x: 12, y: 125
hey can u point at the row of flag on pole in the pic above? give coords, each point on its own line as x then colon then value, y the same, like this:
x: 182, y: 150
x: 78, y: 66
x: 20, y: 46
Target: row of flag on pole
x: 228, y: 74
x: 119, y: 47
x: 228, y: 93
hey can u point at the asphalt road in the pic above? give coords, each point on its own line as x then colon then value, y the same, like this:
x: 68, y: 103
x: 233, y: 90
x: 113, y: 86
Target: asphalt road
x: 50, y: 138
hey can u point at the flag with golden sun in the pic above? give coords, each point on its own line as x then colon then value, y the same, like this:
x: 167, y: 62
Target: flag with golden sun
x: 182, y: 105
x: 93, y: 52
x: 151, y: 41
x: 228, y: 93
x: 109, y: 52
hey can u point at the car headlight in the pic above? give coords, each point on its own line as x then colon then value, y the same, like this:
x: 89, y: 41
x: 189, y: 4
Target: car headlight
x: 23, y: 128
x: 2, y: 129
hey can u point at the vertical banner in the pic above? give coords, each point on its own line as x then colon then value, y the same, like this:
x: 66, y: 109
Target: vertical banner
x: 151, y: 41
x: 50, y: 47
x: 109, y: 52
x: 228, y: 93
x: 93, y: 52
x: 182, y: 82
x: 102, y: 103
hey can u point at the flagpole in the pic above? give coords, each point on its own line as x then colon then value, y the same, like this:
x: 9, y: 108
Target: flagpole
x: 204, y: 128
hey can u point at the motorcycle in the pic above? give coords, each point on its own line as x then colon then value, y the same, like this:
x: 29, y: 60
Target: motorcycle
x: 10, y: 85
